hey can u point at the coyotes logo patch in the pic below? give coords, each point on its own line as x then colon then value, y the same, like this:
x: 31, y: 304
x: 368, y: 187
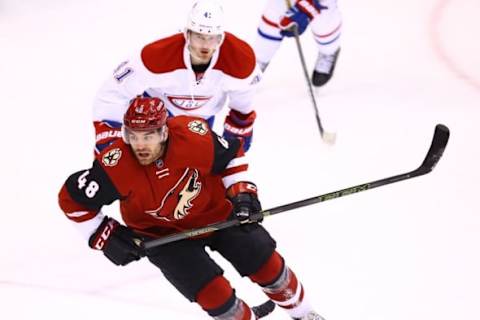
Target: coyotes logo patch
x: 178, y: 200
x: 111, y: 158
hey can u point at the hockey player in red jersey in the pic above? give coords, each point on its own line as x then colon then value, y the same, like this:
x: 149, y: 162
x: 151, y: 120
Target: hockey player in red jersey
x: 325, y: 22
x: 176, y: 174
x: 197, y: 73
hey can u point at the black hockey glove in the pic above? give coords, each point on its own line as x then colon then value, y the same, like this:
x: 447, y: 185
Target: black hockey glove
x: 119, y: 243
x: 243, y: 196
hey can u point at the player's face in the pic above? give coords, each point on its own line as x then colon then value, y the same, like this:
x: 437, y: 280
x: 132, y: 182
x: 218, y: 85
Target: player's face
x: 147, y: 146
x: 203, y: 46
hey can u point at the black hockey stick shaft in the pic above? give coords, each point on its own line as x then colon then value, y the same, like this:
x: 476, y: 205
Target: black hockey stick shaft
x: 437, y: 147
x: 305, y: 72
x: 307, y: 78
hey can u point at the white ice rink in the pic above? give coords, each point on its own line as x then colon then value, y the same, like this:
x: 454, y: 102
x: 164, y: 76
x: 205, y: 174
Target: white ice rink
x: 409, y: 250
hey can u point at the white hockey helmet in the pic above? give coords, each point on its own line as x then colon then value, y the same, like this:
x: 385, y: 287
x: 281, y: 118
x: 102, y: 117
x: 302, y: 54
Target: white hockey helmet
x: 206, y: 17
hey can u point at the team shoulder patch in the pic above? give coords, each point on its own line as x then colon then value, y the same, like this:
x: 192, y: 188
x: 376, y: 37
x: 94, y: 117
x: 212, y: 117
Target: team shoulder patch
x: 111, y: 158
x: 198, y: 126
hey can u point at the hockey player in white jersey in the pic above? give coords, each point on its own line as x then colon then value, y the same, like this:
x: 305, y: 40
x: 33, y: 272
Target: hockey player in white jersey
x: 325, y: 22
x: 196, y: 73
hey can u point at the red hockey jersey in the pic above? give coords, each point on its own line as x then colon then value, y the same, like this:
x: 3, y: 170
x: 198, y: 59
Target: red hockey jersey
x: 184, y: 189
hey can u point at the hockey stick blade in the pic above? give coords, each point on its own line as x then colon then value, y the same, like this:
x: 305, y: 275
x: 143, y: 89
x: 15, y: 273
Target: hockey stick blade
x: 439, y: 143
x: 435, y: 152
x: 329, y: 138
x: 264, y: 309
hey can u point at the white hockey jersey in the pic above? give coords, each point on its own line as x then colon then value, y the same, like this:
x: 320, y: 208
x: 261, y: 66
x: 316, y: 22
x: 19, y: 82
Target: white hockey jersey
x: 163, y: 69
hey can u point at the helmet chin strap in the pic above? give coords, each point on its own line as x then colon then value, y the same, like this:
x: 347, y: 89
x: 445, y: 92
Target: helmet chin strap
x: 187, y: 38
x: 164, y: 134
x: 163, y: 143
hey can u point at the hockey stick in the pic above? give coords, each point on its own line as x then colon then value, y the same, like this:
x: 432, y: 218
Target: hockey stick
x: 439, y: 142
x: 328, y: 137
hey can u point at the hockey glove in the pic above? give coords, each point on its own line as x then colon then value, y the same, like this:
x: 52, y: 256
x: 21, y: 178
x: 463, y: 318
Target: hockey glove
x: 119, y: 243
x: 243, y: 196
x: 106, y: 133
x: 300, y: 14
x: 240, y: 126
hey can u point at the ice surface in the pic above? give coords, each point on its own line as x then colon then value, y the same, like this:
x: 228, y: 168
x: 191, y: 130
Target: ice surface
x: 404, y: 251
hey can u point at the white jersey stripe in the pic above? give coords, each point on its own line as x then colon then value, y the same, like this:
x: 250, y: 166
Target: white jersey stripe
x: 236, y: 162
x: 234, y: 178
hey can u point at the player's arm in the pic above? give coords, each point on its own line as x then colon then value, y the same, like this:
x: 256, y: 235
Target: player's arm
x: 128, y: 80
x: 242, y: 75
x: 81, y: 199
x: 231, y: 163
x: 239, y: 121
x: 106, y: 133
x: 85, y: 192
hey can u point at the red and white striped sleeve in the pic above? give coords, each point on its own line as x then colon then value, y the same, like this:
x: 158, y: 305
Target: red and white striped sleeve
x: 236, y: 170
x: 230, y: 160
x: 84, y: 220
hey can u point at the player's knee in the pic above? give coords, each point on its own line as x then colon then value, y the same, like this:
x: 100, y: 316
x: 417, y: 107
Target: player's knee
x: 270, y: 271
